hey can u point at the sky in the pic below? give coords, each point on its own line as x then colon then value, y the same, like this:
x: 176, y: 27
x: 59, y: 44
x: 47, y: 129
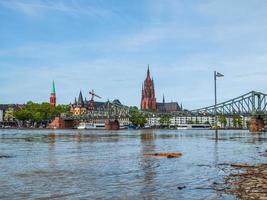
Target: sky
x: 106, y: 45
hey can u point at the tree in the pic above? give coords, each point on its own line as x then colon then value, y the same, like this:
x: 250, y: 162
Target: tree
x: 223, y: 121
x: 189, y: 122
x: 165, y: 120
x: 35, y: 113
x: 237, y: 121
x: 137, y: 118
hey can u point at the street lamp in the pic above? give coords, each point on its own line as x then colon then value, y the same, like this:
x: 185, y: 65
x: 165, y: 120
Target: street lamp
x: 216, y: 74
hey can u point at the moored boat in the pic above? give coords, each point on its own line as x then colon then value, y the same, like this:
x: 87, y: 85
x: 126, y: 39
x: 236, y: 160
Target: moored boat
x: 91, y: 126
x: 194, y: 126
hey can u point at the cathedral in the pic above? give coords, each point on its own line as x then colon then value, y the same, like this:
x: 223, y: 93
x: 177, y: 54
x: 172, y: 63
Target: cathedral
x: 148, y: 101
x: 148, y: 94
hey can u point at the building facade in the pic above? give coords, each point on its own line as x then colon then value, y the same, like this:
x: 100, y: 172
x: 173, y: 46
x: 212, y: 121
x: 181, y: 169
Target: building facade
x: 7, y: 112
x: 177, y: 121
x: 182, y: 120
x: 1, y: 116
x: 83, y: 107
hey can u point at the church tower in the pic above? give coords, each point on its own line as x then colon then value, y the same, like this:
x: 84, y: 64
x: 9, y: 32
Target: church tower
x: 53, y: 96
x: 148, y: 101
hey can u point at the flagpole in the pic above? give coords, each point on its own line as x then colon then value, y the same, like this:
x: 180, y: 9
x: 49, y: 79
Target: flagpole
x: 215, y: 105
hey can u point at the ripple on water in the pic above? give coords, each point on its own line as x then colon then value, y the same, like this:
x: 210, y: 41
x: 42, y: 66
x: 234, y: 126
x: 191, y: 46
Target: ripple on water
x: 70, y: 164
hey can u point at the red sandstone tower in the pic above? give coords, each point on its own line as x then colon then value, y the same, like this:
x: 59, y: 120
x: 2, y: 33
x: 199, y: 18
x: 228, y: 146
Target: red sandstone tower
x: 53, y: 96
x: 148, y: 94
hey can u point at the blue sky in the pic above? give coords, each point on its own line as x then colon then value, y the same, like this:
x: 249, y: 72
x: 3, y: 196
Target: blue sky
x: 106, y: 45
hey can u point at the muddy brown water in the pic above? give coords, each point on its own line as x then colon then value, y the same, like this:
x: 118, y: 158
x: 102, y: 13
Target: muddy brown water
x: 71, y: 164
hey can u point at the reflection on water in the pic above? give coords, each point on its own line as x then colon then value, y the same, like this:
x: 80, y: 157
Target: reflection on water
x: 72, y: 164
x: 148, y: 165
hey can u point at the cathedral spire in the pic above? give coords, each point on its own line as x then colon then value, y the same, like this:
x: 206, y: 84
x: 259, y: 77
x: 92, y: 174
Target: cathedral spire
x: 163, y: 100
x: 148, y: 72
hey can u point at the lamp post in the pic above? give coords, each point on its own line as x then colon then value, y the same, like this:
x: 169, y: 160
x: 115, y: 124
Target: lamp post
x: 216, y: 74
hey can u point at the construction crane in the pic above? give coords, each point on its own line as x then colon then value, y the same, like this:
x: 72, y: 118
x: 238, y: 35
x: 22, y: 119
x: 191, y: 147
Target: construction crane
x: 93, y: 94
x: 91, y: 105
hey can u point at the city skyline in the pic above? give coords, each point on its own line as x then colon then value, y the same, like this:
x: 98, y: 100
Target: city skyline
x: 107, y: 45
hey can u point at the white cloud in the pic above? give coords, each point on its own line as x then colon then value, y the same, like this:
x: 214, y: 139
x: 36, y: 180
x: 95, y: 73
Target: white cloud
x: 221, y: 35
x: 39, y: 7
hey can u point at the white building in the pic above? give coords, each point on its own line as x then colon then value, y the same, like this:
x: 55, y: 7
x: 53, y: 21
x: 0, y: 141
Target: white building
x: 183, y: 120
x: 1, y: 116
x: 230, y: 122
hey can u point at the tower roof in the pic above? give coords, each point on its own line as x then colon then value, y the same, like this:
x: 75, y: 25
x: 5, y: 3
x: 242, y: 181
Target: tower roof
x: 53, y: 88
x: 148, y: 72
x: 80, y: 99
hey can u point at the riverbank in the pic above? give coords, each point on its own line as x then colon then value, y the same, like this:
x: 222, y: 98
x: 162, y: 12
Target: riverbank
x: 248, y: 182
x: 145, y: 128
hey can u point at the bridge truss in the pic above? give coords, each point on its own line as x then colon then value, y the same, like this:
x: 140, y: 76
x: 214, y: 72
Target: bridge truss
x: 252, y: 103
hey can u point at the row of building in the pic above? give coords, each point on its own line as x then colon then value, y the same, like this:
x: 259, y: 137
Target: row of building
x: 180, y: 121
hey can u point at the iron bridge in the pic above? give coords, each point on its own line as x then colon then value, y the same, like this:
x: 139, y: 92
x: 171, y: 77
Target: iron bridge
x: 252, y: 103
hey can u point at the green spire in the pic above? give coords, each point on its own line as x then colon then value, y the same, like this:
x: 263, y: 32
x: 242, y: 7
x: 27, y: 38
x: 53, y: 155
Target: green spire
x: 53, y: 89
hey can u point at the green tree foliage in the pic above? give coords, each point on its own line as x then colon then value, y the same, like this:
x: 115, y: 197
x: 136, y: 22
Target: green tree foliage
x: 165, y: 120
x: 222, y: 120
x: 137, y: 118
x: 35, y: 112
x: 190, y: 122
x: 237, y: 122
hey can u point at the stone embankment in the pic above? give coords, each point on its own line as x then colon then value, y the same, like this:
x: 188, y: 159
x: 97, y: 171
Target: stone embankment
x: 248, y: 182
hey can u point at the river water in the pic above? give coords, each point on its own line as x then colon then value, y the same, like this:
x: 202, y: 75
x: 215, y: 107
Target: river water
x: 72, y: 164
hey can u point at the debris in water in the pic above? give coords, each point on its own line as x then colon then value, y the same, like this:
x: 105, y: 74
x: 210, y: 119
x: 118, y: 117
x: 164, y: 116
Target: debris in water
x: 180, y: 187
x: 5, y: 156
x: 168, y: 155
